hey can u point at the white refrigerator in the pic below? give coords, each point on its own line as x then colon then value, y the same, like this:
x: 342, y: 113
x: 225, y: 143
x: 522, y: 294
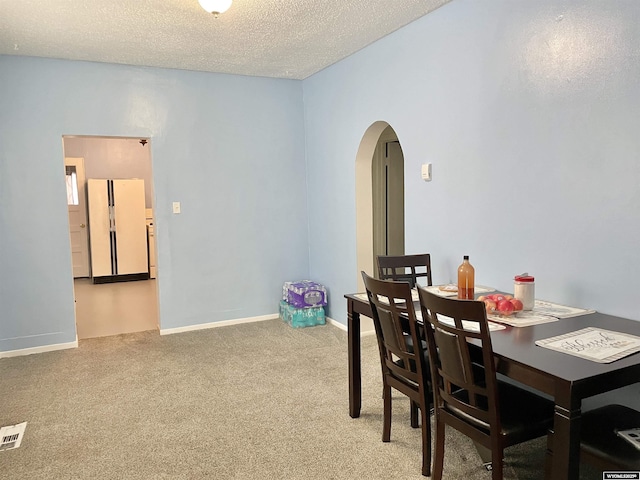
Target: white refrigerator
x: 117, y: 229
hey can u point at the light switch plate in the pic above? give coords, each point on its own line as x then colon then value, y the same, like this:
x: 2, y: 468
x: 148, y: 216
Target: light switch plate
x: 176, y: 207
x: 426, y: 172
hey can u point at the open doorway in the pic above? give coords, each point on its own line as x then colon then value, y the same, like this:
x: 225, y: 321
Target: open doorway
x: 379, y: 204
x: 111, y: 307
x: 387, y: 172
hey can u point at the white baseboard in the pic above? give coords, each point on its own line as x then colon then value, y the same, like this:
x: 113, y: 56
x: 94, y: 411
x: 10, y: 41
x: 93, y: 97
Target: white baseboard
x: 45, y: 348
x: 342, y: 326
x: 170, y: 331
x: 336, y: 323
x: 238, y: 321
x: 223, y: 323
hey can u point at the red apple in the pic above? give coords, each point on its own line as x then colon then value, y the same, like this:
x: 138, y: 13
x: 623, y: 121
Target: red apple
x: 517, y: 304
x: 505, y: 307
x: 498, y: 297
x: 490, y: 305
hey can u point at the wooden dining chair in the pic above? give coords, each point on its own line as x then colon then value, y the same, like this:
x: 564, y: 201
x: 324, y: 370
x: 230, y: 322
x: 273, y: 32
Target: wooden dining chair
x: 467, y: 393
x: 408, y: 268
x: 600, y: 445
x: 402, y: 356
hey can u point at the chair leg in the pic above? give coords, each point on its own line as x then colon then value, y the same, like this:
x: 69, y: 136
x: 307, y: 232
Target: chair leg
x: 414, y: 414
x: 426, y: 441
x: 439, y: 450
x: 386, y: 415
x: 496, y: 465
x: 547, y: 457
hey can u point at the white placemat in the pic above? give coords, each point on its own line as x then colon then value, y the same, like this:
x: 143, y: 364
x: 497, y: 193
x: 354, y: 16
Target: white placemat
x: 452, y: 290
x: 543, y: 312
x: 363, y: 296
x: 596, y: 344
x: 522, y: 319
x: 543, y: 307
x: 467, y: 325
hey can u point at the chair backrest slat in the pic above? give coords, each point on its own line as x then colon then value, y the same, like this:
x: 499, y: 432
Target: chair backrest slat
x: 392, y: 333
x: 405, y: 268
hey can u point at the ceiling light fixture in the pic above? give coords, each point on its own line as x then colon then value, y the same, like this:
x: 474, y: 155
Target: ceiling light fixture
x: 215, y: 6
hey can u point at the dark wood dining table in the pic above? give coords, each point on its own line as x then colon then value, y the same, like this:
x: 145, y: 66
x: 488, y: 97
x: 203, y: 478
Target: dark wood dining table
x: 568, y: 379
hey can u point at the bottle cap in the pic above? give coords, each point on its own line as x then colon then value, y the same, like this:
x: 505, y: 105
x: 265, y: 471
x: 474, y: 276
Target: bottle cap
x: 524, y: 278
x: 466, y: 257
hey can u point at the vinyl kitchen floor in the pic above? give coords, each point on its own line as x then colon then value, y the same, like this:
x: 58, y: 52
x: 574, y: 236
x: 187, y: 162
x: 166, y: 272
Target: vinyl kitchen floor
x: 115, y: 308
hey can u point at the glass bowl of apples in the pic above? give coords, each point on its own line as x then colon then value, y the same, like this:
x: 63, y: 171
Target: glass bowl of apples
x: 501, y: 304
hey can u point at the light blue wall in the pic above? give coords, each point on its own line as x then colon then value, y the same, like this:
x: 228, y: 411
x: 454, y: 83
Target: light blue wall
x: 527, y: 110
x: 229, y: 148
x: 529, y: 113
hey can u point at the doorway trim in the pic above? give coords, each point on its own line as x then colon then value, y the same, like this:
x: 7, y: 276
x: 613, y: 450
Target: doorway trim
x: 364, y: 200
x: 81, y: 222
x: 145, y: 142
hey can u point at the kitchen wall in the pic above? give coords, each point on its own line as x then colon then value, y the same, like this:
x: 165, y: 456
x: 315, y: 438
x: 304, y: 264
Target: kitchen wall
x: 113, y: 158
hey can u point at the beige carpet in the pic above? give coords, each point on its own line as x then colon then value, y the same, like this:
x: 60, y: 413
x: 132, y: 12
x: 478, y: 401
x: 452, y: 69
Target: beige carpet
x: 253, y: 401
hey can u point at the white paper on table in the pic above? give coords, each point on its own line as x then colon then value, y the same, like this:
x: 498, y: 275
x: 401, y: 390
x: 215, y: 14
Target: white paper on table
x: 596, y: 344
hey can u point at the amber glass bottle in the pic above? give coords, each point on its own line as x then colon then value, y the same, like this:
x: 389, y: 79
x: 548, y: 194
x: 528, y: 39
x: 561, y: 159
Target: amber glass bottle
x: 466, y: 279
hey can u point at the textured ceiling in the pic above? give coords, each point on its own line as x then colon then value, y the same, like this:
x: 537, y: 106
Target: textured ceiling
x: 270, y: 38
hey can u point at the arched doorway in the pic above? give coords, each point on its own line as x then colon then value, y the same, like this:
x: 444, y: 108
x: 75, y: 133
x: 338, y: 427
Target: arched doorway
x: 379, y: 197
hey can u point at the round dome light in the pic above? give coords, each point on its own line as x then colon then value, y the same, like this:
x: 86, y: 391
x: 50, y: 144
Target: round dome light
x: 215, y: 6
